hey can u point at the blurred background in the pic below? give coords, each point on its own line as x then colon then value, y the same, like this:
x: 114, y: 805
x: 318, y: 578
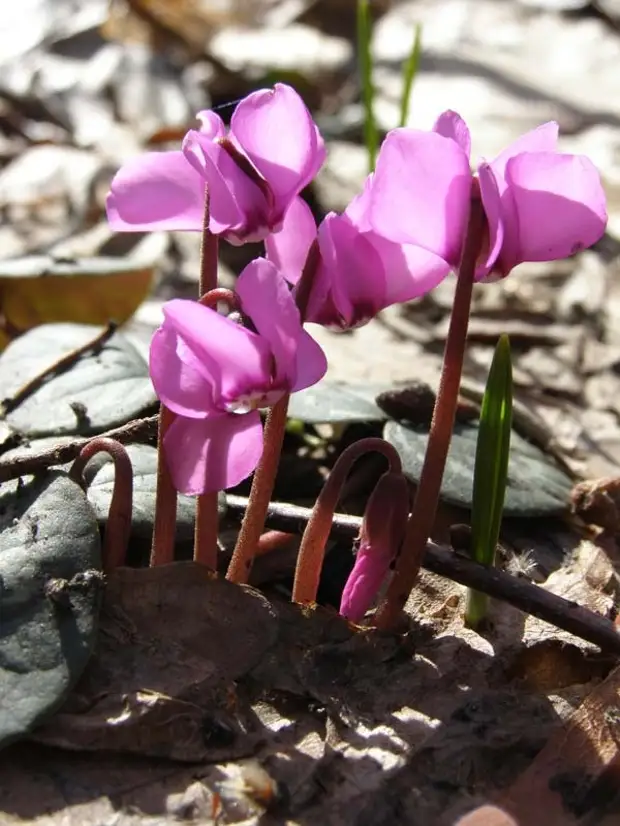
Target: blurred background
x: 86, y: 84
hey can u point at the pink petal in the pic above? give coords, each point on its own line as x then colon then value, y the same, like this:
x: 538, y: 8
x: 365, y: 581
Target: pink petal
x: 501, y: 221
x: 288, y: 248
x: 542, y: 139
x: 266, y: 298
x: 236, y: 360
x: 357, y: 277
x: 158, y: 190
x: 451, y: 125
x: 235, y: 200
x: 311, y: 362
x: 178, y: 376
x: 207, y: 455
x: 560, y: 205
x: 421, y: 192
x: 211, y: 124
x: 277, y: 133
x: 410, y: 272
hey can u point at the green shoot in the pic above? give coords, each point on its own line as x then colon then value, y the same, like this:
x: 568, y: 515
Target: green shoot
x: 491, y: 471
x: 410, y: 70
x: 364, y: 32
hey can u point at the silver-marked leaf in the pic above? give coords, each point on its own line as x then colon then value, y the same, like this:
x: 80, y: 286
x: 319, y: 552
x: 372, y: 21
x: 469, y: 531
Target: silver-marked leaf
x: 329, y: 402
x: 99, y: 474
x: 536, y: 487
x: 101, y: 390
x: 50, y: 578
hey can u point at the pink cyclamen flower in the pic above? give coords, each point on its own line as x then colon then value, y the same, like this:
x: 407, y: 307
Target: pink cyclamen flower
x: 359, y: 272
x: 382, y: 532
x: 254, y: 170
x: 540, y: 205
x: 214, y: 374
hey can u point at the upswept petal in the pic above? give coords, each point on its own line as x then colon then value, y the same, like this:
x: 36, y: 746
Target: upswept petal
x: 451, y: 125
x: 560, y: 204
x: 211, y: 124
x: 207, y: 455
x: 288, y: 248
x: 502, y: 227
x: 277, y: 133
x: 235, y: 200
x: 178, y: 376
x: 236, y: 360
x: 421, y: 192
x: 542, y: 139
x: 410, y: 272
x: 157, y: 190
x: 266, y: 298
x: 311, y: 362
x: 357, y: 277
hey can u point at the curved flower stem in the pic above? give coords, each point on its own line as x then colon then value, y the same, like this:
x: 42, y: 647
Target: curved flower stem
x: 207, y: 517
x: 312, y: 549
x: 118, y: 526
x: 165, y: 523
x: 260, y: 493
x: 422, y: 517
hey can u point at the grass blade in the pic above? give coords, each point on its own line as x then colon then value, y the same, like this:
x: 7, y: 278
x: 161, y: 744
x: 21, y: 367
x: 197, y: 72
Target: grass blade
x: 364, y: 32
x: 491, y: 470
x: 410, y: 70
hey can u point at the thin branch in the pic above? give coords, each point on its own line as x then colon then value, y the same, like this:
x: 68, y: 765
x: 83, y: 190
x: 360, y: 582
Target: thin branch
x: 139, y: 430
x: 520, y: 593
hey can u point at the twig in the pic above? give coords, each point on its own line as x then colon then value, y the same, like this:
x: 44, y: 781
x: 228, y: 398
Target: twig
x: 522, y: 594
x: 9, y: 404
x: 139, y: 430
x: 165, y: 523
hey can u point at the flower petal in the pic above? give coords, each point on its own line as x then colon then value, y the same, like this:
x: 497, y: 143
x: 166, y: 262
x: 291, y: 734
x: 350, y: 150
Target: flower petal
x: 266, y: 298
x: 158, y: 190
x: 276, y: 131
x: 211, y: 124
x: 236, y: 360
x: 451, y: 125
x: 288, y: 248
x: 421, y: 192
x: 178, y: 376
x: 235, y: 200
x: 542, y: 139
x: 502, y: 226
x: 410, y: 272
x: 560, y: 204
x: 311, y: 362
x: 208, y: 455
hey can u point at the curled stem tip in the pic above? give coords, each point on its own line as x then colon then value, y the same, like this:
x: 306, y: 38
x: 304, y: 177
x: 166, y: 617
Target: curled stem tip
x: 312, y: 549
x: 118, y: 526
x: 422, y: 518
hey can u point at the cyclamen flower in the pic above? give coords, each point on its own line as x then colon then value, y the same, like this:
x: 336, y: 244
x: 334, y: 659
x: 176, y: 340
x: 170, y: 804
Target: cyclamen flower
x: 359, y: 272
x: 540, y: 205
x: 215, y: 374
x: 381, y: 535
x: 254, y: 170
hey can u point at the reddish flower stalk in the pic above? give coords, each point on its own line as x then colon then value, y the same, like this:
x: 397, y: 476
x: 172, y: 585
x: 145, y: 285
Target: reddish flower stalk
x: 207, y: 517
x: 118, y: 526
x: 165, y: 522
x: 422, y: 516
x: 264, y: 479
x: 312, y: 549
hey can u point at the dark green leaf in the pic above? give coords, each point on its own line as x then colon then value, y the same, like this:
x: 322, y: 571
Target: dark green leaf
x: 410, y: 70
x: 330, y: 402
x: 364, y: 35
x: 49, y: 596
x: 536, y: 487
x: 99, y: 391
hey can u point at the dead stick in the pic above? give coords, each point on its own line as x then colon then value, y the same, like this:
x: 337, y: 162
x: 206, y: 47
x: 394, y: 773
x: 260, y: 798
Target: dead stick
x: 522, y: 594
x: 139, y: 430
